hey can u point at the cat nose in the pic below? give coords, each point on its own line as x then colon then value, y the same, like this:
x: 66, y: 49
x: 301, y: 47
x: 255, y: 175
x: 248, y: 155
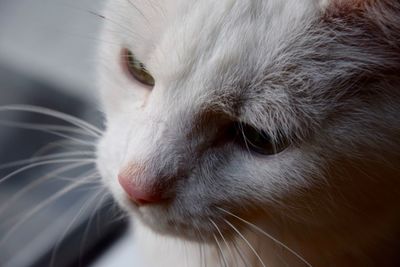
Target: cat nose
x: 141, y: 194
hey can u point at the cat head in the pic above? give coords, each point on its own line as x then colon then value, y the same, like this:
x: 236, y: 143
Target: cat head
x: 264, y: 109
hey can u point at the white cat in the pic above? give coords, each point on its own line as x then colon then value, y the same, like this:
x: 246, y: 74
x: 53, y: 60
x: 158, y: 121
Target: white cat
x: 254, y: 132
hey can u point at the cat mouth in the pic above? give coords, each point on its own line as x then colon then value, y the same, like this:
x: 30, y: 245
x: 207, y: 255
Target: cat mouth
x: 203, y: 232
x: 193, y: 227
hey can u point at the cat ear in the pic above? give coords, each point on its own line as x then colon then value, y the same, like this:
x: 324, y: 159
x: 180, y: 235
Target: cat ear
x: 343, y: 7
x: 370, y: 8
x: 352, y: 4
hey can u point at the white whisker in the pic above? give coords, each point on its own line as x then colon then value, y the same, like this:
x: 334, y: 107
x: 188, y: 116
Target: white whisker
x: 49, y: 127
x: 87, y: 203
x: 122, y: 27
x: 34, y: 165
x: 38, y: 181
x: 203, y: 261
x: 40, y: 206
x: 88, y: 224
x: 220, y: 255
x: 223, y: 239
x: 269, y: 236
x: 63, y: 155
x: 244, y: 260
x: 64, y: 144
x: 56, y: 114
x: 121, y: 215
x: 39, y: 127
x: 247, y: 242
x: 221, y: 251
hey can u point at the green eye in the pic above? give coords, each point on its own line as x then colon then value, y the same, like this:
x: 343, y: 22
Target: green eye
x: 259, y: 141
x: 136, y: 68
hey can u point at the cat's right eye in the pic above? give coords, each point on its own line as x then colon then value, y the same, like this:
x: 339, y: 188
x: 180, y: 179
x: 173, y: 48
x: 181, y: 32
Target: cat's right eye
x: 259, y: 141
x: 136, y: 68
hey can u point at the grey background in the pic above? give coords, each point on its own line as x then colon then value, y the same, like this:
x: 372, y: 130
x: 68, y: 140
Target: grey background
x: 55, y: 41
x: 52, y: 39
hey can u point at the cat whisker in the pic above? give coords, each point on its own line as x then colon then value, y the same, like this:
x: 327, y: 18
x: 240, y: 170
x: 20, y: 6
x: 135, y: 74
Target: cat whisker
x: 159, y: 7
x: 64, y: 155
x: 119, y: 214
x: 246, y: 241
x: 225, y: 261
x: 140, y: 12
x: 117, y: 217
x: 267, y: 235
x: 122, y: 27
x: 46, y: 162
x: 89, y: 223
x: 96, y: 15
x: 36, y: 182
x: 93, y: 181
x: 110, y: 206
x: 87, y: 203
x: 201, y: 248
x: 220, y: 252
x: 91, y: 176
x: 224, y: 239
x: 47, y: 129
x: 245, y: 139
x: 203, y: 259
x: 282, y: 259
x: 65, y: 145
x: 96, y: 132
x: 244, y: 260
x: 83, y: 181
x: 39, y: 207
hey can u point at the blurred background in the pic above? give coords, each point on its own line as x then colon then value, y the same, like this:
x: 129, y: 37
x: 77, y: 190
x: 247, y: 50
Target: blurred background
x: 53, y: 40
x: 53, y: 211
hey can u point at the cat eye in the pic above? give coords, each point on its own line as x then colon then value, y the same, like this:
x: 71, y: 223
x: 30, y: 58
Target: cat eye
x: 259, y: 141
x: 136, y: 68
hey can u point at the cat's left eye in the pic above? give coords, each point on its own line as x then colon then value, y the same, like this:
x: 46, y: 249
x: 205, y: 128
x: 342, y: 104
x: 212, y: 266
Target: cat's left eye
x: 259, y: 141
x: 136, y: 68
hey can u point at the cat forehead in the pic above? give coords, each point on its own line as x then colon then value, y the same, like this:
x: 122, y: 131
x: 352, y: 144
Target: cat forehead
x: 215, y: 34
x: 173, y: 27
x: 225, y: 43
x: 232, y: 44
x: 219, y: 46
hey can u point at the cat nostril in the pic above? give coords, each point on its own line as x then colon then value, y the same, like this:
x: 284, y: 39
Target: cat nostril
x: 141, y: 195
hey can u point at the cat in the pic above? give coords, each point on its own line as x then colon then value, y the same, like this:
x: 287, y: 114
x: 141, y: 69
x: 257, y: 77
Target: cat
x: 254, y: 132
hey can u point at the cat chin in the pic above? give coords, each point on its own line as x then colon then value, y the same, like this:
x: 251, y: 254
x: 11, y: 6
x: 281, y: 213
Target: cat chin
x: 159, y: 221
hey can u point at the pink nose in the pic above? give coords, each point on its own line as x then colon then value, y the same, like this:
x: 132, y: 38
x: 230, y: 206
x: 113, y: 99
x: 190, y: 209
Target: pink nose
x: 139, y: 194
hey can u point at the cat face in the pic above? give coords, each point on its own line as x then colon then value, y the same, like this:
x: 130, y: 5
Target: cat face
x: 255, y: 109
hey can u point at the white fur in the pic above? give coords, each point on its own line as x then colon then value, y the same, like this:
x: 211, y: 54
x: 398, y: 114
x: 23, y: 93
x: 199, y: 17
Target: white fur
x: 282, y: 66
